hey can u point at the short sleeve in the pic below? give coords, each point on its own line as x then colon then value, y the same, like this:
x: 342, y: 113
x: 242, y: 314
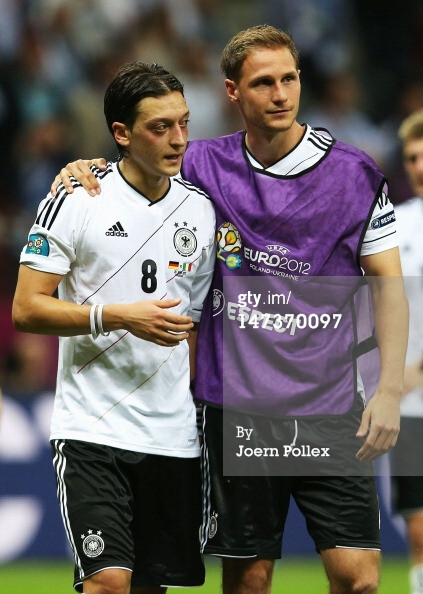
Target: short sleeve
x: 381, y: 233
x: 51, y: 245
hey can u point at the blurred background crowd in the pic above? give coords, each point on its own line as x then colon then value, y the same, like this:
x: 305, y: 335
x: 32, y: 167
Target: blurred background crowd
x: 362, y: 73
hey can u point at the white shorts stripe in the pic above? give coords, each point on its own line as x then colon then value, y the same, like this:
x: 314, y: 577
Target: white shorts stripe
x: 59, y: 463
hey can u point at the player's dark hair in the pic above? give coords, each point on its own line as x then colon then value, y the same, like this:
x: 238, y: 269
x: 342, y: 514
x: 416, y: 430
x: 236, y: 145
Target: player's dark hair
x: 132, y: 83
x: 244, y: 42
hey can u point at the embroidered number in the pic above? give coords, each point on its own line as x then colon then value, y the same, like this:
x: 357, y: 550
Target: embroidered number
x: 148, y: 279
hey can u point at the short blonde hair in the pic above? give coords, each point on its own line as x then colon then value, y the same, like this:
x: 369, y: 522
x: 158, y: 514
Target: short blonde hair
x: 412, y: 127
x: 244, y: 42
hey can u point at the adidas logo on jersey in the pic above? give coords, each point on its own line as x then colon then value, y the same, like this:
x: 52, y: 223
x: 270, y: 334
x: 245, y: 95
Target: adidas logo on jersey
x: 117, y: 230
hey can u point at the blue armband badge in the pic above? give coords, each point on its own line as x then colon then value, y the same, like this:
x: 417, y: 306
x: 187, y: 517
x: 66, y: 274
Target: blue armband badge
x: 383, y: 220
x: 38, y: 244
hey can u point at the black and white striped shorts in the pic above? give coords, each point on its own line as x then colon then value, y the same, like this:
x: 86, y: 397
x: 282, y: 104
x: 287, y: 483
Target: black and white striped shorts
x: 130, y: 510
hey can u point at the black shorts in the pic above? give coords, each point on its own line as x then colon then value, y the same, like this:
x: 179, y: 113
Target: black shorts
x: 129, y: 510
x: 407, y: 468
x: 244, y: 516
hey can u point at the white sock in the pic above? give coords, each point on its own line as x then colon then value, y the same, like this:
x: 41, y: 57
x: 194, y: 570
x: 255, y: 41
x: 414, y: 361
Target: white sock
x: 416, y: 579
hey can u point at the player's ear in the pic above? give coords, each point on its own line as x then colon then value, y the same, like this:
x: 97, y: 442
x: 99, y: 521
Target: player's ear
x: 231, y: 90
x: 121, y: 133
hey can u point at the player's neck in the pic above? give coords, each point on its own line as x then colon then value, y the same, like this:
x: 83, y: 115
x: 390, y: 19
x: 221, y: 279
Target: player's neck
x: 270, y: 148
x: 151, y: 186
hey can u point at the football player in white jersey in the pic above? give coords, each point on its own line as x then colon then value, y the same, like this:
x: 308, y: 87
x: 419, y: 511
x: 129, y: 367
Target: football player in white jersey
x: 135, y: 263
x: 407, y: 465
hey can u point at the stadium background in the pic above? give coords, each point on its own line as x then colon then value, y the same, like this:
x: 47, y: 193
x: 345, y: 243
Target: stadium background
x: 362, y: 73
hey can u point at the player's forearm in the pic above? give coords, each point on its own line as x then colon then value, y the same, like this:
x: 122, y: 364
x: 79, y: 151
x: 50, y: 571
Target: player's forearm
x: 149, y: 320
x: 35, y: 310
x: 42, y: 314
x: 391, y: 324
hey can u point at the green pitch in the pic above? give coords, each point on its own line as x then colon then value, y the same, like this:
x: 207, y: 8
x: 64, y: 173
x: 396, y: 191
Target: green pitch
x: 292, y: 576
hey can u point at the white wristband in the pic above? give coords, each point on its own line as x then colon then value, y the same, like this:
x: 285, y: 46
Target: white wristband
x: 94, y: 331
x: 100, y: 321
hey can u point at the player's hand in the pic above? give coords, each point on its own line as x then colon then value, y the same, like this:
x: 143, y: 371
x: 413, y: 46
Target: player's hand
x: 153, y: 321
x: 81, y: 171
x: 380, y: 423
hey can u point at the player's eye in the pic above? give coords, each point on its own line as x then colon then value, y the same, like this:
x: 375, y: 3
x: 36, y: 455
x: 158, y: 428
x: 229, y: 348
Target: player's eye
x: 410, y: 158
x: 266, y: 82
x: 184, y: 123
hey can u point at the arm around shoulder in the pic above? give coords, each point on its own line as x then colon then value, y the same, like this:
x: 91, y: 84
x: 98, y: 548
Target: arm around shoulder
x: 81, y: 171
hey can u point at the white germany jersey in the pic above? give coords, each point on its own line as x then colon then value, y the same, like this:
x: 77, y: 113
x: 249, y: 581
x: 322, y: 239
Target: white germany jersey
x: 410, y: 236
x: 119, y: 247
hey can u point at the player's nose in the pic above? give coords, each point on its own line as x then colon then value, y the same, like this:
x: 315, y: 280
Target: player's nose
x: 279, y: 93
x: 178, y: 136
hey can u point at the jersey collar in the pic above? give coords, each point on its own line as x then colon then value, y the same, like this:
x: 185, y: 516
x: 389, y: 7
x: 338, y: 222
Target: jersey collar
x: 141, y: 194
x: 314, y: 146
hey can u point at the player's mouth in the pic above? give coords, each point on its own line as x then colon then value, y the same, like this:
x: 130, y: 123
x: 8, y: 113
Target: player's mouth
x: 279, y: 111
x: 173, y: 159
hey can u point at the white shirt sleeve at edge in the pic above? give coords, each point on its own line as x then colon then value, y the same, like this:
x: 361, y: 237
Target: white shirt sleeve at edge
x: 380, y: 237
